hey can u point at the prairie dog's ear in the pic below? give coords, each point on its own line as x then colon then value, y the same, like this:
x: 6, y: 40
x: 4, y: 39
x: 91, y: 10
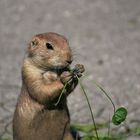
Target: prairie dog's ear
x: 34, y: 43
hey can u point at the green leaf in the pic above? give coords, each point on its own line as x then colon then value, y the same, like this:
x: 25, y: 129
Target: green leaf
x: 89, y: 138
x: 105, y: 138
x: 87, y: 128
x: 136, y: 130
x: 84, y: 127
x: 4, y: 138
x: 119, y: 116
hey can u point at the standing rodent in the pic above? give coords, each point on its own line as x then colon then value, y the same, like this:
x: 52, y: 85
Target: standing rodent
x: 45, y: 71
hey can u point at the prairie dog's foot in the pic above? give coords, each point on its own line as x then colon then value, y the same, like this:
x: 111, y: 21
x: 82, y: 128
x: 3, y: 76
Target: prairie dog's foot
x: 65, y: 76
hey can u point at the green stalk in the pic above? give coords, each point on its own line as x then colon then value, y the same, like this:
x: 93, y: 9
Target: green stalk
x: 114, y: 108
x: 96, y: 132
x: 109, y: 127
x: 61, y: 95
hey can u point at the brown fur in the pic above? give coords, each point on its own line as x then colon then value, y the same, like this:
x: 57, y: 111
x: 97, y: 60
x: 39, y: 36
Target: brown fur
x: 36, y: 117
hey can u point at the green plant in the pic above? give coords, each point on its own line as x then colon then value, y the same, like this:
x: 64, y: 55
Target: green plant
x: 4, y: 138
x: 119, y: 115
x: 91, y: 131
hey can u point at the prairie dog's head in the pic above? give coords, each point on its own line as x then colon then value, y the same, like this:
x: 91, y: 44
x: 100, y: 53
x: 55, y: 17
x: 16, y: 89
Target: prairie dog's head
x: 50, y: 50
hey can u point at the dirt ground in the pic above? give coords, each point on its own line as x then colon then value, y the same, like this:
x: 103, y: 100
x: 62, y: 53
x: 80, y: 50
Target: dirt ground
x: 104, y: 36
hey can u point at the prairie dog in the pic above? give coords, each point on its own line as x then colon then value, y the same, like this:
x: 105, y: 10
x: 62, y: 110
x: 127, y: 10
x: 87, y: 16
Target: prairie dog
x: 45, y: 71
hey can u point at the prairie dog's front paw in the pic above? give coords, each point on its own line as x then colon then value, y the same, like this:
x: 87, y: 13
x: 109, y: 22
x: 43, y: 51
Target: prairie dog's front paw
x: 78, y: 70
x: 50, y: 76
x: 80, y: 67
x: 65, y: 77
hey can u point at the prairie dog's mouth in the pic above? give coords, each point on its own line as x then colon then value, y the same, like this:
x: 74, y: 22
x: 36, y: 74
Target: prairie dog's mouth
x: 60, y: 69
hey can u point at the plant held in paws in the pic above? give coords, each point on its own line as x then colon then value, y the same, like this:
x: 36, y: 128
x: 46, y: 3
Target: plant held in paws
x: 118, y: 117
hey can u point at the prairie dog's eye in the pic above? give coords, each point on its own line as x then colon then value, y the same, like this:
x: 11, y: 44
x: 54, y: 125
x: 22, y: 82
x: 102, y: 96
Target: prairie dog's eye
x: 49, y: 46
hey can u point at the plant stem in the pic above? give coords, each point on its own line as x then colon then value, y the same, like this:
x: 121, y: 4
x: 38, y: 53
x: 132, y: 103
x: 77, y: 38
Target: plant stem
x: 114, y: 108
x: 61, y: 95
x: 96, y: 132
x: 109, y: 127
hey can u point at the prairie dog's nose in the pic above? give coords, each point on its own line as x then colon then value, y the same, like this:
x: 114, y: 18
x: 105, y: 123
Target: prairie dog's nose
x: 69, y: 61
